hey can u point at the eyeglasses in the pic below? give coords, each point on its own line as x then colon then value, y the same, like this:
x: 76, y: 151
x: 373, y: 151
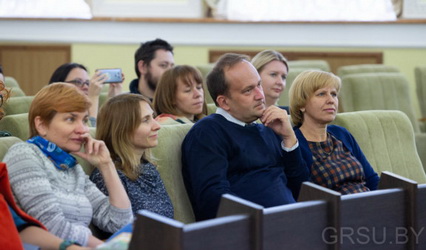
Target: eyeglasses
x: 79, y: 83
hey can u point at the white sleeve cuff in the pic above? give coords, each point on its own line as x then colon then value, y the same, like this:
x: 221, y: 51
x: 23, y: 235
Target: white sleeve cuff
x: 289, y: 149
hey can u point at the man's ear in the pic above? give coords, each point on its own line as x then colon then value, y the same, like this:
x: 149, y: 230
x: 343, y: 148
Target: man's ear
x: 222, y: 101
x: 40, y: 126
x: 142, y: 67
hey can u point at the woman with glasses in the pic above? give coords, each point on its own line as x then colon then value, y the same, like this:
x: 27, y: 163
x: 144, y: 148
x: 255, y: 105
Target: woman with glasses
x: 77, y: 74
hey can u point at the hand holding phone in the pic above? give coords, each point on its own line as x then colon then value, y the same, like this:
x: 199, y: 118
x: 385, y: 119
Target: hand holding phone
x: 114, y: 75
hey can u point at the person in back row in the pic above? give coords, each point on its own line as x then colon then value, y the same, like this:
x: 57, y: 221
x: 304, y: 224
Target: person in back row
x: 47, y: 181
x: 273, y: 69
x: 332, y: 154
x: 78, y: 75
x: 129, y: 136
x: 179, y: 97
x: 228, y: 152
x: 152, y: 59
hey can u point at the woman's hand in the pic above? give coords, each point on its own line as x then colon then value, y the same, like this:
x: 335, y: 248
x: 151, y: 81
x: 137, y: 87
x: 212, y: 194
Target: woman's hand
x: 96, y: 84
x: 95, y: 152
x: 115, y: 87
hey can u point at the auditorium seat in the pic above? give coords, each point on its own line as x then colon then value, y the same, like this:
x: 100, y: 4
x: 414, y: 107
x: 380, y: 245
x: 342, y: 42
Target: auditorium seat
x: 155, y: 232
x: 420, y: 76
x: 292, y: 74
x: 18, y: 105
x: 17, y: 125
x: 167, y: 156
x: 6, y: 143
x: 387, y: 139
x: 309, y: 64
x: 382, y: 91
x: 365, y: 68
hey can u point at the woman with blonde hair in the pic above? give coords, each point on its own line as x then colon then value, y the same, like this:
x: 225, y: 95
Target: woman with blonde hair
x: 47, y: 181
x: 332, y: 154
x: 129, y: 135
x: 179, y: 97
x: 272, y: 67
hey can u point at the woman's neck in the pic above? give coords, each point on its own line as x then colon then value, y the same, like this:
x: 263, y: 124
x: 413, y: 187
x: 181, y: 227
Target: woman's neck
x: 270, y: 102
x: 315, y: 133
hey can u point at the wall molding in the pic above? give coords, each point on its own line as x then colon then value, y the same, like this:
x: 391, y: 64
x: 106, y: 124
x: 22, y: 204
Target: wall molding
x: 406, y: 34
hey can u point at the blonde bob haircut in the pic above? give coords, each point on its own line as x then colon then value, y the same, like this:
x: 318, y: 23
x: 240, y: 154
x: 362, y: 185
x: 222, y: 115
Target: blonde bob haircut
x: 56, y: 98
x: 304, y: 86
x: 165, y: 93
x: 264, y: 57
x: 117, y: 122
x: 4, y: 95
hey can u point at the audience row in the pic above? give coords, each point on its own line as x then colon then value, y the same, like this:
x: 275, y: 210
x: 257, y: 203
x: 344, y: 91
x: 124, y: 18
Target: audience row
x: 248, y: 148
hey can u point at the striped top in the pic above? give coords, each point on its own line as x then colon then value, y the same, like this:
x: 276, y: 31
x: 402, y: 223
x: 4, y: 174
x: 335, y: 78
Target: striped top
x: 65, y: 201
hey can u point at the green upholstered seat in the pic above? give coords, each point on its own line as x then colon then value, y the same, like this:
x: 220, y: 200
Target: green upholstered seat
x: 378, y: 91
x: 16, y: 92
x: 168, y: 158
x: 6, y: 143
x: 365, y: 68
x: 309, y: 64
x: 17, y: 125
x: 382, y: 91
x: 211, y: 108
x: 387, y: 140
x: 18, y: 105
x: 420, y: 75
x: 11, y: 82
x: 103, y: 97
x: 205, y: 70
x: 292, y: 74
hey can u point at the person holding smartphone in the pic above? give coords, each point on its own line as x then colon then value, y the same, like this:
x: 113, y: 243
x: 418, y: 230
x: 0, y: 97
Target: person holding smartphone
x: 47, y: 181
x: 78, y: 75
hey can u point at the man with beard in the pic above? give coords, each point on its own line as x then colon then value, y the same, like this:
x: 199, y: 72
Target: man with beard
x: 228, y: 152
x: 152, y: 59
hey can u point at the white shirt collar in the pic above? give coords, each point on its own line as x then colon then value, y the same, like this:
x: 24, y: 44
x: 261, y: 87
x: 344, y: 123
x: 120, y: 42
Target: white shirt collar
x: 229, y: 117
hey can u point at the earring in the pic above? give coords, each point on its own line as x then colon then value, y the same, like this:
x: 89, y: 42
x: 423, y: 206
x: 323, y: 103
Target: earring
x: 302, y: 110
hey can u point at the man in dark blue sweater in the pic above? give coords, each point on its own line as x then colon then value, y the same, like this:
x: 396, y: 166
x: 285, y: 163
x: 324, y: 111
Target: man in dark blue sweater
x: 228, y: 152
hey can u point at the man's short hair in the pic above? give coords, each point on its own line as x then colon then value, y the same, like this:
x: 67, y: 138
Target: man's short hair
x: 216, y: 80
x: 146, y: 52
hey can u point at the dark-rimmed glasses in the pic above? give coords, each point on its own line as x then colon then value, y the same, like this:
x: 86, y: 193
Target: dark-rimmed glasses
x: 79, y: 83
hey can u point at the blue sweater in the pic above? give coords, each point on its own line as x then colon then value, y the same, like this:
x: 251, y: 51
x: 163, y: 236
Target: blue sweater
x: 342, y: 134
x: 220, y: 157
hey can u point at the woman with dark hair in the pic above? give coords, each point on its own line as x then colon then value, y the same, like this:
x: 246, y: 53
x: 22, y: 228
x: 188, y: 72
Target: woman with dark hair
x: 179, y: 97
x: 78, y: 75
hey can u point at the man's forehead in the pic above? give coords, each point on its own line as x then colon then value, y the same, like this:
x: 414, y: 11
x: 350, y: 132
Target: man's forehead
x: 162, y: 54
x: 242, y: 71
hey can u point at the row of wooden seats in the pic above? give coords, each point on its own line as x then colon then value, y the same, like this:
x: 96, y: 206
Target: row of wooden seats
x: 393, y: 217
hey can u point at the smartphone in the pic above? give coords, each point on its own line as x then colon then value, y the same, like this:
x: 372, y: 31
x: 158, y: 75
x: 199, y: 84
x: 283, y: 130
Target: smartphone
x: 114, y: 75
